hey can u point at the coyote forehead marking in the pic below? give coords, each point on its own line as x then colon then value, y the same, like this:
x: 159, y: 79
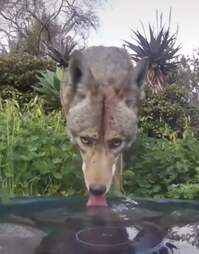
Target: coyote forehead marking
x: 103, y: 115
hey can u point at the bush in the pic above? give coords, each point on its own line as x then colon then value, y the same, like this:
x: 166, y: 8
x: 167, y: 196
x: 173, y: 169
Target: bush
x: 20, y: 70
x: 36, y: 158
x: 168, y: 112
x: 184, y: 191
x: 155, y: 167
x: 11, y: 93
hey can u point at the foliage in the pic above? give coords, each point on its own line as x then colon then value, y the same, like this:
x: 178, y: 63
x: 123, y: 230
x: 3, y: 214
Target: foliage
x: 169, y: 113
x: 189, y: 70
x: 184, y: 191
x: 35, y: 156
x: 160, y: 49
x: 157, y: 167
x: 49, y: 87
x: 61, y: 56
x: 10, y: 93
x: 188, y: 76
x: 20, y: 70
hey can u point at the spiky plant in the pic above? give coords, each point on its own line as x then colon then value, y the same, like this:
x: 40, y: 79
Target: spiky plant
x: 159, y: 48
x: 61, y: 55
x: 49, y: 87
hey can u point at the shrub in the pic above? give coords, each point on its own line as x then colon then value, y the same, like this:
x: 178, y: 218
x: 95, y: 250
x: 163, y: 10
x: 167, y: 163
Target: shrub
x: 184, y: 191
x: 20, y: 70
x: 156, y: 166
x: 168, y: 112
x: 36, y: 158
x: 11, y: 93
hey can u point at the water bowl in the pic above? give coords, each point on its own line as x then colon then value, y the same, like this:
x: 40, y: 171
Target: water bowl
x: 127, y: 226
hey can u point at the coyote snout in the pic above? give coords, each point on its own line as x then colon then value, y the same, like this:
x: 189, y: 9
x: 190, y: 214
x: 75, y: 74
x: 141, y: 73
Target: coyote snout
x: 100, y: 94
x: 99, y: 166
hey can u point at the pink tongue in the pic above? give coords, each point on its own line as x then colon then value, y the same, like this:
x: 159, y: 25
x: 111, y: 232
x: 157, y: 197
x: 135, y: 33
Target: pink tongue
x: 97, y: 201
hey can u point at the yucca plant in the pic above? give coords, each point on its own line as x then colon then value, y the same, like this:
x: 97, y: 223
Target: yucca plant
x: 160, y: 48
x: 49, y: 87
x: 62, y: 54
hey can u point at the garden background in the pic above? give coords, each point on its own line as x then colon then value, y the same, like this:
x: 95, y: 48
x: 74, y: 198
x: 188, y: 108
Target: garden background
x: 36, y: 157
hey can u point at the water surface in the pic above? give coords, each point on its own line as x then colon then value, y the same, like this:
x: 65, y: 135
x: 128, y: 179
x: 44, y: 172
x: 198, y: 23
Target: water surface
x: 128, y: 226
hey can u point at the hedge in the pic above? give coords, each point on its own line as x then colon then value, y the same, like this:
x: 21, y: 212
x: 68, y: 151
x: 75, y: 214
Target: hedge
x: 20, y: 70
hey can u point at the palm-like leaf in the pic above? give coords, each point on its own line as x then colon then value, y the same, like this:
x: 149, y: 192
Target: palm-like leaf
x: 160, y: 49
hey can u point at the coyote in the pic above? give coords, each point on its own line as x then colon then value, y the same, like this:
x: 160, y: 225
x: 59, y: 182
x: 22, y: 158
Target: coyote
x: 101, y: 93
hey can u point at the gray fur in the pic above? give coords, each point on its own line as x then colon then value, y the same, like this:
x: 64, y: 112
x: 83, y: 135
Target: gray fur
x: 100, y: 94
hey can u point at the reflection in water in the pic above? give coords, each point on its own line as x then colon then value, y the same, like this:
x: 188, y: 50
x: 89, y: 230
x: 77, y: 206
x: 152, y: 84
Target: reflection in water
x: 106, y: 231
x: 108, y: 240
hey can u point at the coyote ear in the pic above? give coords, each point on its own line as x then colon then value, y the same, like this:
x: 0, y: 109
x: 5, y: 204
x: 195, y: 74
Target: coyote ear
x: 79, y: 71
x: 140, y: 71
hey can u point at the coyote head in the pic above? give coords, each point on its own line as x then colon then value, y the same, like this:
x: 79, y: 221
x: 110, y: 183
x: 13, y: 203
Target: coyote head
x: 100, y: 94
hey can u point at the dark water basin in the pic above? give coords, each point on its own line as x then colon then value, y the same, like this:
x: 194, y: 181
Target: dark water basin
x: 128, y: 226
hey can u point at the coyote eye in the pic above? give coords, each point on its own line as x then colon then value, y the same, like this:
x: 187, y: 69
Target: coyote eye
x: 115, y: 143
x: 86, y: 141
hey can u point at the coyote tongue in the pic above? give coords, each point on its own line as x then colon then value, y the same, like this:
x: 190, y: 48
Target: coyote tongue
x: 99, y: 201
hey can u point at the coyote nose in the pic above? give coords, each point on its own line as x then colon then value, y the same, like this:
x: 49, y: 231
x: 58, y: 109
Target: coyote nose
x: 97, y: 189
